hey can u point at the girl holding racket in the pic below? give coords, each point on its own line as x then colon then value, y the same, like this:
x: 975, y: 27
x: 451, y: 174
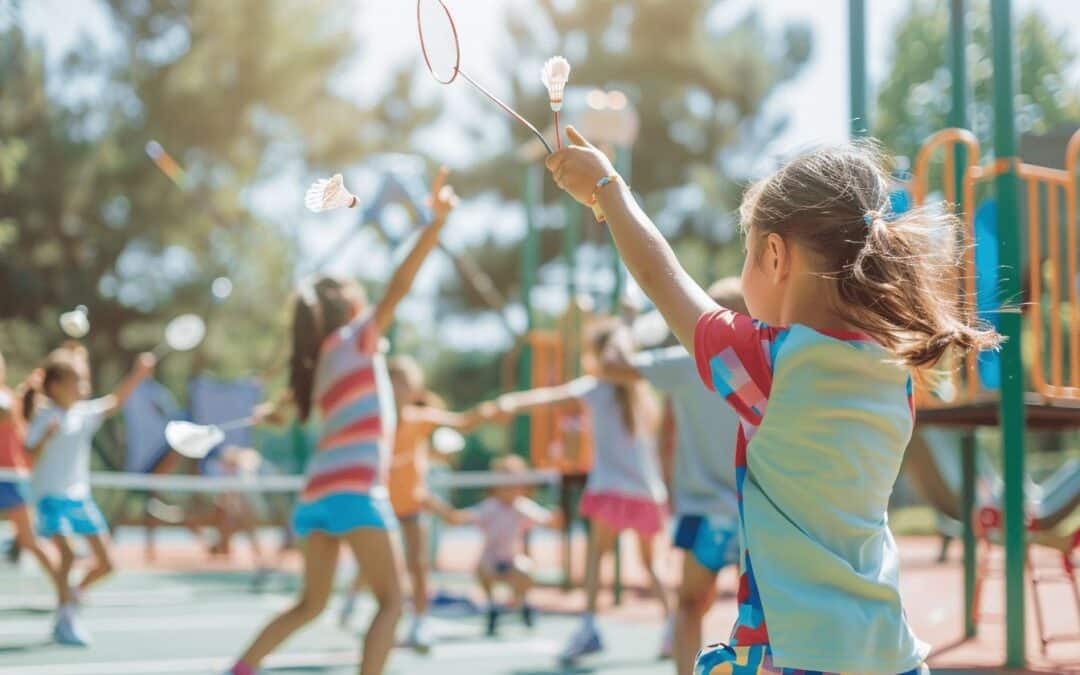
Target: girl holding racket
x: 848, y: 299
x: 337, y: 368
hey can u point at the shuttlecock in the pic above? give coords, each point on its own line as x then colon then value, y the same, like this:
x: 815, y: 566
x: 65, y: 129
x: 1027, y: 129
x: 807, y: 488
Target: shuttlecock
x: 554, y: 75
x: 75, y: 323
x: 329, y: 193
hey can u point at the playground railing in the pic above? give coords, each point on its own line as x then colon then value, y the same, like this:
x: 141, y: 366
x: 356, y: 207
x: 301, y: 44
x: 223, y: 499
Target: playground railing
x: 1053, y: 275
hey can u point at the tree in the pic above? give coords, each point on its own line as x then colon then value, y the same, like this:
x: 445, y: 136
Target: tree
x: 699, y: 86
x: 914, y: 101
x: 89, y: 220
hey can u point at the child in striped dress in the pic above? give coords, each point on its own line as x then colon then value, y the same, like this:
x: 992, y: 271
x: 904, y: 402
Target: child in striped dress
x: 848, y: 299
x: 338, y: 369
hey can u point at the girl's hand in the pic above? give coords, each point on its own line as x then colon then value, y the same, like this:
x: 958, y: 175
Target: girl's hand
x: 578, y: 168
x: 443, y: 199
x: 144, y: 365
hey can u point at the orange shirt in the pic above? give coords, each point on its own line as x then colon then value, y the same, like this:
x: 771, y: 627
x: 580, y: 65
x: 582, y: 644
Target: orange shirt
x: 408, y: 467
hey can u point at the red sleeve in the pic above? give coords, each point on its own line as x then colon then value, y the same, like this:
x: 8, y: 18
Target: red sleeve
x: 734, y: 358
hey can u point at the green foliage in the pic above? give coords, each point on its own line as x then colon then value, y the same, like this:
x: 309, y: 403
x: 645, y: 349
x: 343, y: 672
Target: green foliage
x: 914, y: 101
x: 236, y: 92
x: 699, y: 87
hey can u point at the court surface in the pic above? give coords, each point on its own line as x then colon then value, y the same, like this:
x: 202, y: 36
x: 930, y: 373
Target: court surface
x: 147, y: 622
x: 190, y: 614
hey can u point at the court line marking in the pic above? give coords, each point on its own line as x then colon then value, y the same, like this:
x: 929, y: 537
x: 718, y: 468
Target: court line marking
x: 450, y: 652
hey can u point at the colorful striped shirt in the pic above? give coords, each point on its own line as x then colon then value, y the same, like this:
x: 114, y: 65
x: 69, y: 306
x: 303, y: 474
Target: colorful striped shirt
x: 353, y: 395
x: 825, y: 420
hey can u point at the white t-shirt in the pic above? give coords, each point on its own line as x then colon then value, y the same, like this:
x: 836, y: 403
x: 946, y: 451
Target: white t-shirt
x: 504, y: 526
x: 63, y: 467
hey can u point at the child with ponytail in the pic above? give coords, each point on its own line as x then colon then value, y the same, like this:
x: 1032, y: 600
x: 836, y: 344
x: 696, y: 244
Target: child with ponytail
x: 338, y: 369
x: 848, y: 300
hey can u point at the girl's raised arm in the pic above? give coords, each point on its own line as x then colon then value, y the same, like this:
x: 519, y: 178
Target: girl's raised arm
x: 518, y: 402
x: 588, y: 176
x: 144, y: 366
x: 443, y: 201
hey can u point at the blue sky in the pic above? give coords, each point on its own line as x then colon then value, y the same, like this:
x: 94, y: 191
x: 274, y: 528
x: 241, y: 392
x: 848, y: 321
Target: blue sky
x: 816, y: 101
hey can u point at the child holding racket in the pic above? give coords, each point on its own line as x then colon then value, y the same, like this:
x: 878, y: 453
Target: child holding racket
x: 419, y: 412
x: 59, y: 437
x: 504, y: 518
x: 703, y: 481
x: 850, y: 299
x: 14, y: 493
x: 337, y: 368
x: 625, y: 490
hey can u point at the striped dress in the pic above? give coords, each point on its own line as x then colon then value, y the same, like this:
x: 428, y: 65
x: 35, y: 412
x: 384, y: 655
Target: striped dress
x: 353, y: 395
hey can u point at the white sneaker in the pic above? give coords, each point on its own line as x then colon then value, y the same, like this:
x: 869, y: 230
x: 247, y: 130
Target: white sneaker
x: 419, y: 638
x: 67, y: 631
x: 347, y: 609
x: 586, y: 640
x: 667, y: 642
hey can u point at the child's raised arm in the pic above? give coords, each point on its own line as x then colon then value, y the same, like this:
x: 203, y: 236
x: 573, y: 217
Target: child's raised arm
x: 567, y: 394
x: 579, y: 170
x: 445, y: 512
x: 144, y: 366
x: 443, y: 201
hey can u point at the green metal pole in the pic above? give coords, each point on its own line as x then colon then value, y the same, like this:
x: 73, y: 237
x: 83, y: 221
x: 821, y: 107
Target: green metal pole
x: 530, y: 260
x: 968, y: 453
x: 860, y: 119
x: 571, y: 241
x: 1012, y: 361
x: 958, y: 117
x: 624, y: 165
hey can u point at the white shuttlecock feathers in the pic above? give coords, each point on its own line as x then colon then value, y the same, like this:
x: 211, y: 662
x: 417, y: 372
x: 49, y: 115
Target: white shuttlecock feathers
x: 329, y: 193
x: 554, y: 75
x: 75, y: 324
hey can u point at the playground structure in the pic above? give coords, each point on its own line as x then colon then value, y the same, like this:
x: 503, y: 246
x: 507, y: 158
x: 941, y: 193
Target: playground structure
x: 1042, y: 396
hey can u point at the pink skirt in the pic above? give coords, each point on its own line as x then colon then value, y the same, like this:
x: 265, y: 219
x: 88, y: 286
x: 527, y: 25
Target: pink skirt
x: 621, y: 512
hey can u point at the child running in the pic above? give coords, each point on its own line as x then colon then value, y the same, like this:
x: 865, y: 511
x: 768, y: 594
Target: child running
x: 60, y: 437
x: 337, y: 367
x: 504, y: 518
x: 419, y: 412
x: 849, y: 298
x: 14, y: 492
x: 624, y: 490
x: 703, y: 485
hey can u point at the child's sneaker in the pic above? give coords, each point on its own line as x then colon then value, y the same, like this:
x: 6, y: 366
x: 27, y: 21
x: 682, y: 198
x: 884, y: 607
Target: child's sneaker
x: 347, y: 609
x: 492, y: 621
x: 582, y: 643
x: 667, y: 642
x: 528, y: 615
x: 419, y: 639
x: 67, y: 631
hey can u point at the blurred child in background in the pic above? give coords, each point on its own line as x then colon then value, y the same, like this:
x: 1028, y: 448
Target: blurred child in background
x: 61, y: 431
x: 625, y: 490
x: 504, y: 518
x: 702, y: 441
x: 14, y: 492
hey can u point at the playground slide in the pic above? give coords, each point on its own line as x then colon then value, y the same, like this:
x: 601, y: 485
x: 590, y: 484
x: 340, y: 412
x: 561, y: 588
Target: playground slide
x: 933, y: 464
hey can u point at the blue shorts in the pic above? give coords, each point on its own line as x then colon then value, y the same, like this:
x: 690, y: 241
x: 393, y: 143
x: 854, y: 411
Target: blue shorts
x: 343, y: 512
x: 713, y: 544
x: 57, y: 515
x: 12, y: 494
